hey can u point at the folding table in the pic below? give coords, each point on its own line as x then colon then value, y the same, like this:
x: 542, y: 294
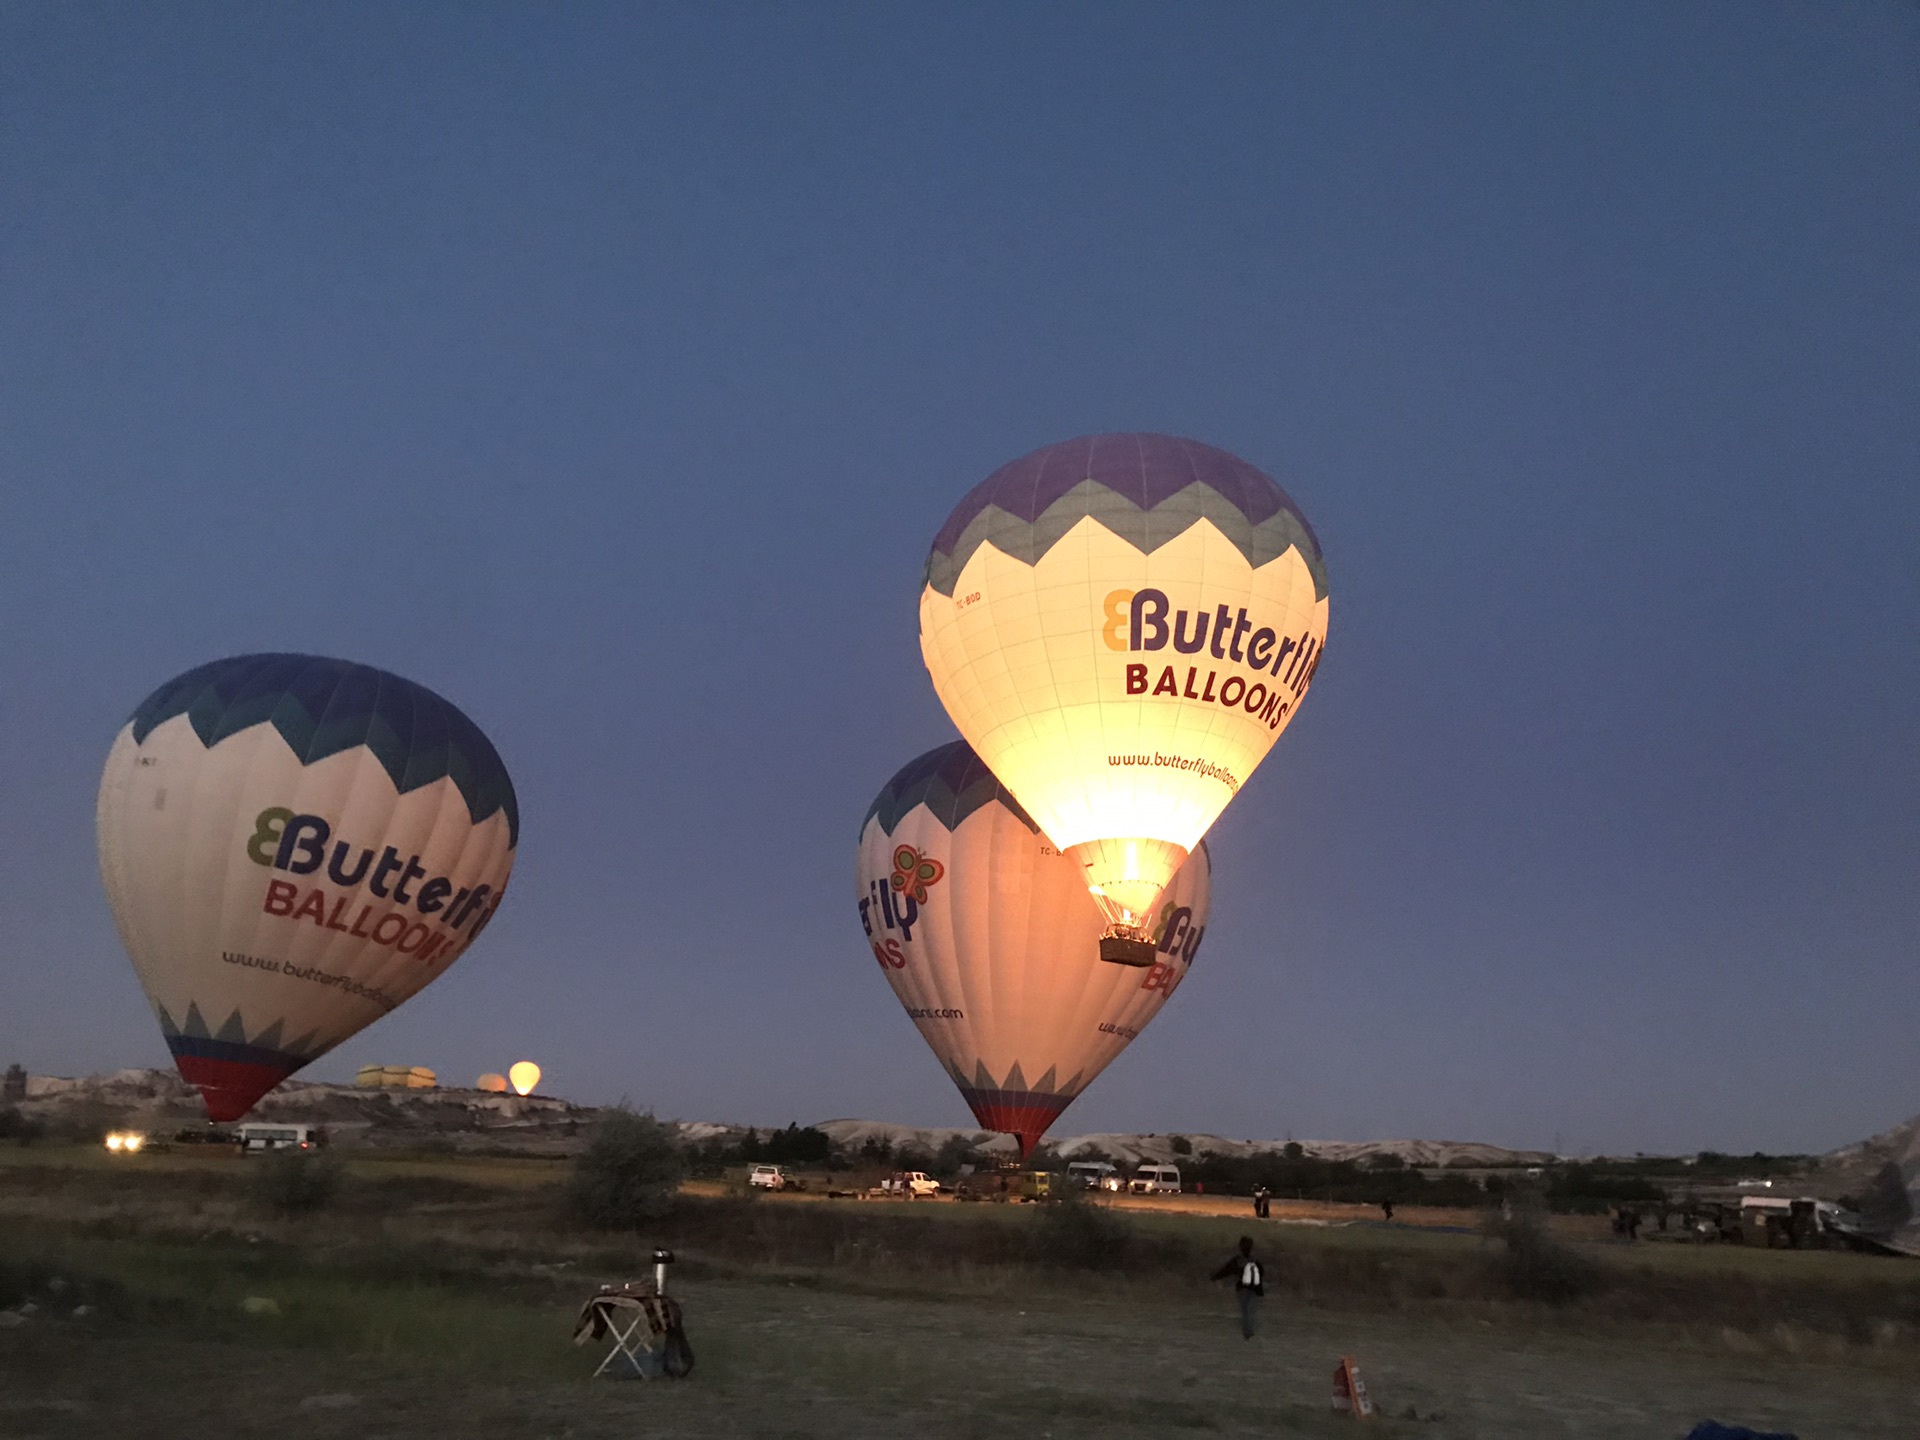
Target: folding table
x: 637, y: 1318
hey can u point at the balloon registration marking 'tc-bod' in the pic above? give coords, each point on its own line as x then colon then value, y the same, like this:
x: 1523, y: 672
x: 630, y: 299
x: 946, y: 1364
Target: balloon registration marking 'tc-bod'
x: 1121, y: 626
x: 989, y: 938
x: 293, y: 846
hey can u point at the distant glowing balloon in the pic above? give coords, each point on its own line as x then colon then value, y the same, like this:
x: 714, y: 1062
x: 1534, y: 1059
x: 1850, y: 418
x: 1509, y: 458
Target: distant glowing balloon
x: 491, y: 1083
x: 989, y: 938
x: 292, y: 847
x: 524, y: 1075
x: 1121, y: 626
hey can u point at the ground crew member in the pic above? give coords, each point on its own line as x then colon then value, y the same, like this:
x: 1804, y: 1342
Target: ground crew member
x: 1249, y: 1285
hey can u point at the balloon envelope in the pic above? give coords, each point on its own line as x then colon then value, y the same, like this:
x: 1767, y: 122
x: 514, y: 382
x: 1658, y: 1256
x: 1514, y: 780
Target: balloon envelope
x: 1121, y: 626
x: 524, y: 1075
x: 292, y: 847
x: 989, y: 938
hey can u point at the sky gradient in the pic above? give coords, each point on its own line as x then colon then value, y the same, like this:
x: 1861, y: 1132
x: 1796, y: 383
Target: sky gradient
x: 610, y: 369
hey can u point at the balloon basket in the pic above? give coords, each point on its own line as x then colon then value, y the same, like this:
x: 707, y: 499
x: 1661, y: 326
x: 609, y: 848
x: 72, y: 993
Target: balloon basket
x: 1127, y: 950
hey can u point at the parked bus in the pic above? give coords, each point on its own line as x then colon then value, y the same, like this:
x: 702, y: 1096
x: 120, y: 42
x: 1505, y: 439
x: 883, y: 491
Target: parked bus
x: 254, y: 1138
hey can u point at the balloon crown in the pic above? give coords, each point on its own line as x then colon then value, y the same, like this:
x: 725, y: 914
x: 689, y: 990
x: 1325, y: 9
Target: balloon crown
x: 322, y: 707
x: 1147, y: 489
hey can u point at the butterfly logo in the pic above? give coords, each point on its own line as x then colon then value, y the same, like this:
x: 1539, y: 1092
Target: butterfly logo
x: 914, y: 872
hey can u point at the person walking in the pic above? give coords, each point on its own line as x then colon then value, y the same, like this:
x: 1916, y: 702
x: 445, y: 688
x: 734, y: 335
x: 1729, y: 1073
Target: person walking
x: 1262, y: 1199
x: 1249, y: 1285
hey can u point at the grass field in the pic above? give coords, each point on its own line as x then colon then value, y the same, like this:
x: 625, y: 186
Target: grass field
x: 436, y: 1298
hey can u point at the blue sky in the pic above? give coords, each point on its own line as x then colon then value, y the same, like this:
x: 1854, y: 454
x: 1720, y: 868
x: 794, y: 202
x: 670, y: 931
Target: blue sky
x: 609, y: 368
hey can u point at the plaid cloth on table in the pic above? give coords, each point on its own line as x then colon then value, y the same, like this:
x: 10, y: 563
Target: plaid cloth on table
x: 613, y: 1309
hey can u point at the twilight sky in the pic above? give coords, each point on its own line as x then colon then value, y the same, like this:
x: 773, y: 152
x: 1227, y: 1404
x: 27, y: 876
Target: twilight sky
x: 609, y: 369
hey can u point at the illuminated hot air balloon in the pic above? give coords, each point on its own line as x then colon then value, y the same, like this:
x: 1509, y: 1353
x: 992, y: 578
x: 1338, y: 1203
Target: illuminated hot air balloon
x: 990, y: 939
x: 1121, y: 626
x: 292, y: 847
x: 525, y: 1075
x: 491, y: 1083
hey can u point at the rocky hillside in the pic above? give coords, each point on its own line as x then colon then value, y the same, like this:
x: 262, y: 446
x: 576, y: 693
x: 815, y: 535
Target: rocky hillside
x: 159, y: 1101
x: 1169, y: 1148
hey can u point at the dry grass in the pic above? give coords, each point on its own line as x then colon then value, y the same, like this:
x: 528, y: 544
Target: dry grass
x: 414, y: 1252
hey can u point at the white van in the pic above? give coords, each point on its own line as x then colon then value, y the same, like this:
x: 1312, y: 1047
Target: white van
x: 1094, y: 1174
x: 1155, y: 1180
x: 255, y: 1138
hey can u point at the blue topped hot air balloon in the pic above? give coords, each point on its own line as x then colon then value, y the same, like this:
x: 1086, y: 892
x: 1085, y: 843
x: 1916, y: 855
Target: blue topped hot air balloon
x: 988, y: 936
x: 292, y: 847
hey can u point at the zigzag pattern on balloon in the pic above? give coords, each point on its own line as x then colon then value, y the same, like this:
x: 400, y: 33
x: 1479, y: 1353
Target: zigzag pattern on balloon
x: 229, y: 1067
x: 1016, y: 1082
x: 194, y: 1033
x: 952, y: 782
x: 1146, y: 489
x: 1013, y: 1106
x: 322, y: 707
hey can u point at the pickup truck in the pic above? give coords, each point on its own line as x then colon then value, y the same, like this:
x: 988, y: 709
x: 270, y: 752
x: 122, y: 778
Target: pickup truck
x: 909, y: 1184
x: 773, y: 1177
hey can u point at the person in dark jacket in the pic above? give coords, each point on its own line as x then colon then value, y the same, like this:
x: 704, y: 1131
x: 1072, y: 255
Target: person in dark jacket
x: 1249, y: 1285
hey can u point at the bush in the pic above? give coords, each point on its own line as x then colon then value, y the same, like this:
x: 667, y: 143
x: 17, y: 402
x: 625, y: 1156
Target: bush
x: 955, y: 1151
x: 1074, y: 1233
x: 294, y: 1182
x: 21, y: 1129
x: 629, y: 1173
x: 1532, y: 1265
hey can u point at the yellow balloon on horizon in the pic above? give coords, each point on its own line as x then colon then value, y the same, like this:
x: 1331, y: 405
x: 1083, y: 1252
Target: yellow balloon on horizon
x: 524, y: 1075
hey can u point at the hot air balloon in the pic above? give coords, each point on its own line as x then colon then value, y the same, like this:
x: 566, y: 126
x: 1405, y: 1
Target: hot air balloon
x: 491, y: 1083
x: 525, y: 1075
x: 1121, y: 626
x: 988, y: 935
x: 292, y: 847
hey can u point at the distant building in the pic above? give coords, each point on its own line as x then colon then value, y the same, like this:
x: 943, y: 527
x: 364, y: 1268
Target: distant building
x: 14, y: 1087
x: 396, y: 1077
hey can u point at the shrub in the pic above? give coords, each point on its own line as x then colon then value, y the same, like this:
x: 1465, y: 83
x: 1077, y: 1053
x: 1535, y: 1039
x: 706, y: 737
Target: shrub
x: 1886, y: 1205
x: 1532, y: 1265
x: 1076, y: 1234
x: 294, y: 1182
x: 629, y: 1173
x: 21, y: 1129
x: 955, y: 1151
